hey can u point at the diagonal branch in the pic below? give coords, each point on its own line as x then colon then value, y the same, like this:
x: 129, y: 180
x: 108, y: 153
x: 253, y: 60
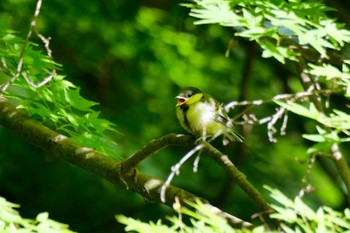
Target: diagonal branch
x: 237, y: 176
x: 186, y: 140
x: 156, y: 145
x: 90, y: 160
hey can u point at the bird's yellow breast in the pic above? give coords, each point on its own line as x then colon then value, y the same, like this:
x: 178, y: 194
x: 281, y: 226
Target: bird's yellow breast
x: 201, y: 119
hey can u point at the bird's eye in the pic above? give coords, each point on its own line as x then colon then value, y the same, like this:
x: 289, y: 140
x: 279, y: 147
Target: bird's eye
x: 188, y: 95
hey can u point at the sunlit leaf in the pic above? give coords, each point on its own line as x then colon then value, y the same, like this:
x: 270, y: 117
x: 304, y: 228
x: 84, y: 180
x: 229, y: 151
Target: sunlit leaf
x: 299, y: 109
x: 304, y: 209
x: 77, y: 101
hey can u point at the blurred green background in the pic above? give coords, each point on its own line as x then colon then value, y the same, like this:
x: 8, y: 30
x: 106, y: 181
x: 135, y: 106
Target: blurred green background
x: 132, y: 57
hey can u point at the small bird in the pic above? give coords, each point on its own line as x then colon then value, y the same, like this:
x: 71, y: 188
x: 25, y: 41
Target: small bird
x: 203, y: 116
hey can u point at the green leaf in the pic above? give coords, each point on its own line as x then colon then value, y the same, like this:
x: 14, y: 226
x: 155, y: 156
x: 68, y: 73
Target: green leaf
x: 304, y: 210
x: 77, y: 101
x: 278, y: 52
x: 279, y: 196
x: 285, y: 214
x: 338, y: 36
x: 314, y: 137
x: 216, y: 12
x: 100, y: 125
x: 321, y: 227
x: 338, y: 119
x: 323, y: 136
x: 299, y: 109
x: 319, y: 147
x: 42, y: 217
x: 315, y: 38
x: 328, y: 71
x: 252, y: 21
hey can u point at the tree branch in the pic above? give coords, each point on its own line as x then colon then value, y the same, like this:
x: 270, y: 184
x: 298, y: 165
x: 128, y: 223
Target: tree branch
x: 90, y: 160
x: 154, y: 146
x: 186, y: 140
x: 237, y: 176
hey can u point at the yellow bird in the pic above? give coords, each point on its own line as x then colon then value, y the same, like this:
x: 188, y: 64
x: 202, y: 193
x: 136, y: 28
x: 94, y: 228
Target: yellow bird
x: 203, y: 116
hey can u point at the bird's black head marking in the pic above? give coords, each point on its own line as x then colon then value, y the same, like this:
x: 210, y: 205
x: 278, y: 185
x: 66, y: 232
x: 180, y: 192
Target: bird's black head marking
x: 189, y: 91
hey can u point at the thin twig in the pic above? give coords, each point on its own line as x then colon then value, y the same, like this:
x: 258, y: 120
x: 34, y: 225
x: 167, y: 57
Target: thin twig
x: 313, y: 92
x: 40, y: 84
x: 271, y: 130
x: 26, y: 42
x: 175, y: 170
x: 196, y: 162
x: 19, y: 68
x: 307, y: 187
x: 287, y: 96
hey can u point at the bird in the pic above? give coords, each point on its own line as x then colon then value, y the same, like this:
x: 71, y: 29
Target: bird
x: 204, y: 117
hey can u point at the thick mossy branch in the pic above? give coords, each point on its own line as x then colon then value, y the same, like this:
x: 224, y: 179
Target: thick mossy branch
x: 56, y: 144
x: 60, y: 146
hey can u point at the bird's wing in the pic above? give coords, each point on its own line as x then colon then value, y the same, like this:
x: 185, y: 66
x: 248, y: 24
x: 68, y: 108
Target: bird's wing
x: 222, y: 117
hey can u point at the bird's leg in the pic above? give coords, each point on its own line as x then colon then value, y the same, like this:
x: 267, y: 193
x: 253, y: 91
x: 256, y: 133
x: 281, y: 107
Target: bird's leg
x: 217, y: 134
x: 196, y: 161
x: 203, y: 137
x: 204, y: 134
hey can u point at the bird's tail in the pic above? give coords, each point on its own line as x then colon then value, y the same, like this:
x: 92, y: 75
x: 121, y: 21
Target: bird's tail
x: 232, y: 136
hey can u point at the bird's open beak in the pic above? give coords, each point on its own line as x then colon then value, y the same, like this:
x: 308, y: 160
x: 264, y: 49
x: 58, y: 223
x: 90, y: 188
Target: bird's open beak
x: 180, y: 100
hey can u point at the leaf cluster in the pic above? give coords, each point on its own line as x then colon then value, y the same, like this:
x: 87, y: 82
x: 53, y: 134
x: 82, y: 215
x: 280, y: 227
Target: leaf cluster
x: 279, y: 27
x: 296, y: 216
x: 48, y: 97
x: 12, y: 221
x: 293, y: 215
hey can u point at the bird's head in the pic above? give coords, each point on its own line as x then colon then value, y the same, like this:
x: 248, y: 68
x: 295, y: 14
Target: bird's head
x: 189, y: 95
